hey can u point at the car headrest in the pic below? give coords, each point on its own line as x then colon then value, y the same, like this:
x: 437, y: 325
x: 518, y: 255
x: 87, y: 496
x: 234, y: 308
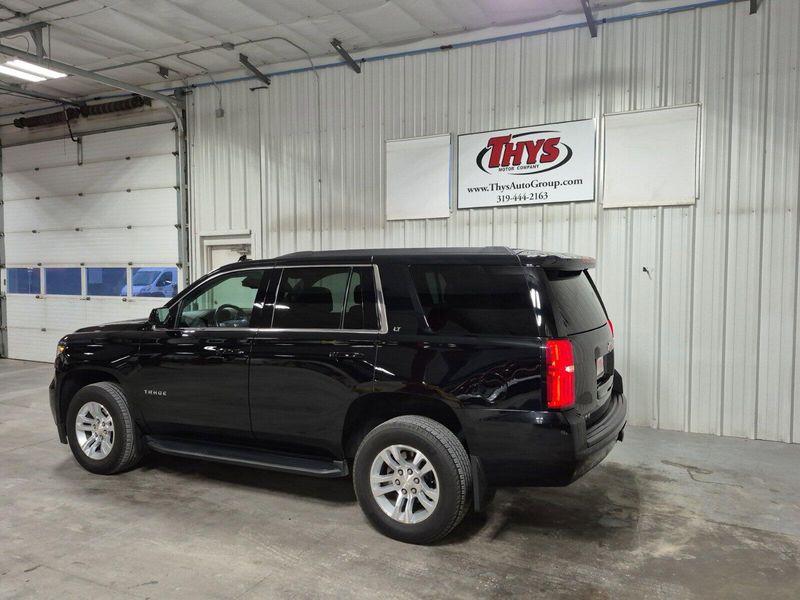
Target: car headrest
x: 357, y: 296
x: 320, y: 297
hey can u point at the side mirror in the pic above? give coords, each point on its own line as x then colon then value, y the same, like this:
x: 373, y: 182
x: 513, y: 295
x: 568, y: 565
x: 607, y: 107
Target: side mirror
x: 158, y: 317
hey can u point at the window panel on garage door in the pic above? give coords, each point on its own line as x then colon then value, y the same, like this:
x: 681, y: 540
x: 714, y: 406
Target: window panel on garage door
x: 21, y: 280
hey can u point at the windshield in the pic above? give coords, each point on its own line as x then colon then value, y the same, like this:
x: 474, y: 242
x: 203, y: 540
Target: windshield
x: 145, y: 277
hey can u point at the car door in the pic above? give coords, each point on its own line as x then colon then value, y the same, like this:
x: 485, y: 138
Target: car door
x: 193, y: 375
x: 316, y: 356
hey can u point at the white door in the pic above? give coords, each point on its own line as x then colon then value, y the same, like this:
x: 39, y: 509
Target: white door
x: 87, y: 243
x: 219, y: 256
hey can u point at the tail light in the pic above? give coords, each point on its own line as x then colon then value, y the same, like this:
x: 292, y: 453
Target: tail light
x: 560, y: 374
x: 611, y: 327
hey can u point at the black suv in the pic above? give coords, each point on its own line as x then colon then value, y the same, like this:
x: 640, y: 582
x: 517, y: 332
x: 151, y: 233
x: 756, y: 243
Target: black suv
x: 433, y: 376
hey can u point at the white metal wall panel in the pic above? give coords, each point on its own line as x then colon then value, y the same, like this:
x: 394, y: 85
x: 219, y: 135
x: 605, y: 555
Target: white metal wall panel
x: 707, y: 336
x: 139, y: 173
x: 38, y: 323
x: 744, y: 236
x: 56, y: 153
x: 116, y: 209
x: 778, y: 285
x: 155, y: 140
x: 138, y: 141
x: 137, y: 208
x: 156, y: 245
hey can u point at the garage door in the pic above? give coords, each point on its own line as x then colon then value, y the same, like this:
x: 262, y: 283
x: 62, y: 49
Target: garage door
x: 90, y: 234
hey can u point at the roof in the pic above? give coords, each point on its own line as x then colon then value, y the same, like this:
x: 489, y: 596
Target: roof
x: 403, y: 252
x: 453, y: 255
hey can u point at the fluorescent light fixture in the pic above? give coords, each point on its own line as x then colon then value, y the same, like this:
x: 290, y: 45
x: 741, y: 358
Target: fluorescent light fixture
x: 20, y: 74
x: 35, y: 69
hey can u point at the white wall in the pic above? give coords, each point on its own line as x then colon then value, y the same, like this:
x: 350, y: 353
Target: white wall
x: 708, y: 340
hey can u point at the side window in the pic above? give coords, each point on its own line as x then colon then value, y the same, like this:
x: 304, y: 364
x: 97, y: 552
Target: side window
x: 475, y: 299
x: 360, y: 306
x: 311, y: 298
x: 225, y: 301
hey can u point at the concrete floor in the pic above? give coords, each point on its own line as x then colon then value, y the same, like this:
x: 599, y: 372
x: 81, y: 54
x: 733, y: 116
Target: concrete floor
x: 667, y: 515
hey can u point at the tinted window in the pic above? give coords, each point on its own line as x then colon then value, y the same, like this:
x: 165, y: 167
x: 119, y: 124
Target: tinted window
x: 360, y: 305
x: 225, y: 301
x: 475, y: 299
x: 106, y: 281
x: 576, y: 306
x: 23, y: 281
x: 62, y: 282
x: 311, y: 298
x: 157, y: 282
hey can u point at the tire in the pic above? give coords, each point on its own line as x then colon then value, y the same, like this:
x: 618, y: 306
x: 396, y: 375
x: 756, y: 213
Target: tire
x: 443, y: 472
x: 126, y: 447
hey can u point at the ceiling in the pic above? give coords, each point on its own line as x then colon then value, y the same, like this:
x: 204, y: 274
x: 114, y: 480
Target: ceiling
x: 99, y: 34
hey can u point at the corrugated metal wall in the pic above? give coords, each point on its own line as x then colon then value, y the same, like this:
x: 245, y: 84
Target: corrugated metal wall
x: 708, y: 334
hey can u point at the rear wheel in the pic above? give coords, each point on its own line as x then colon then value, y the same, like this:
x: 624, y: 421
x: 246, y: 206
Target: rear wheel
x: 412, y: 479
x: 101, y: 432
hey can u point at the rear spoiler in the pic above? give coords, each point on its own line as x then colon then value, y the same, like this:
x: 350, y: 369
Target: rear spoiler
x: 559, y: 262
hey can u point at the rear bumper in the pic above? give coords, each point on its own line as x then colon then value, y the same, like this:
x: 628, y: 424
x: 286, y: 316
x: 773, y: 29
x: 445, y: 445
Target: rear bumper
x: 521, y: 448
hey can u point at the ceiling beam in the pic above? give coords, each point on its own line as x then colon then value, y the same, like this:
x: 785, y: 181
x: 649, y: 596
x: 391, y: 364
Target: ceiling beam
x: 172, y: 102
x: 13, y: 89
x: 587, y: 11
x: 34, y: 29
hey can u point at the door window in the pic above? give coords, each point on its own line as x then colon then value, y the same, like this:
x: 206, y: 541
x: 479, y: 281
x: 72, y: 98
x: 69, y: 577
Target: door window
x: 326, y: 298
x: 225, y: 301
x: 360, y: 306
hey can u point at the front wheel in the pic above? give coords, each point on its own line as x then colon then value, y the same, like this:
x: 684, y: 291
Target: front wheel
x: 100, y: 429
x: 412, y: 478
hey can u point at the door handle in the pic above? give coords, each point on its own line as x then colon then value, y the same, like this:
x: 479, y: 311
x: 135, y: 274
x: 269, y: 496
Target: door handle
x: 336, y: 354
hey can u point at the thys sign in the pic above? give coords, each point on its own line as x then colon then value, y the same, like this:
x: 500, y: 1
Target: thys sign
x: 527, y: 165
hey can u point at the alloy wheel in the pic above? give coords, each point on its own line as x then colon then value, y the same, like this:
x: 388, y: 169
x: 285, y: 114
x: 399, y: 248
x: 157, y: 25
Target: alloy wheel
x: 94, y: 430
x: 404, y: 484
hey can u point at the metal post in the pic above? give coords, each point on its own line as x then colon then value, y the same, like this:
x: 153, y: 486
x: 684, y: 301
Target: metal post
x: 3, y: 312
x: 182, y: 199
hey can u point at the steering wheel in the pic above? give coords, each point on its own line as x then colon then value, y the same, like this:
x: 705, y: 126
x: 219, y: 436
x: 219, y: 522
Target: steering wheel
x: 218, y: 312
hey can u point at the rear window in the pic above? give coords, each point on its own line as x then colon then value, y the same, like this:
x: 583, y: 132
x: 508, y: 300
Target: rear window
x: 576, y: 306
x: 475, y: 299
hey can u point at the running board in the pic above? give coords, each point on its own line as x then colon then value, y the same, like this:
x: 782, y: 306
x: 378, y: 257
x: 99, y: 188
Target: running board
x: 249, y: 457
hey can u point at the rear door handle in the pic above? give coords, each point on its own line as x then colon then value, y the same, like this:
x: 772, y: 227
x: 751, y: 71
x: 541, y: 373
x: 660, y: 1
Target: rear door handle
x: 336, y: 354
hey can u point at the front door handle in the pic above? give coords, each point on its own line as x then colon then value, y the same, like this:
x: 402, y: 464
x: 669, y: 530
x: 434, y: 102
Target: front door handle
x: 336, y: 354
